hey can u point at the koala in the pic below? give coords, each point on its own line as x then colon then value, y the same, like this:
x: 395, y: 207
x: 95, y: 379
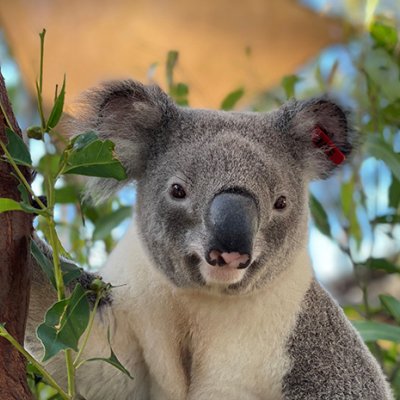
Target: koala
x: 216, y: 297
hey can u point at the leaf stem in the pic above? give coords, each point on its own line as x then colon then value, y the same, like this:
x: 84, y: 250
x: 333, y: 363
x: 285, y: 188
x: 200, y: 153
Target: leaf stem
x: 5, y: 116
x: 47, y: 377
x: 21, y: 175
x: 88, y: 330
x: 70, y: 372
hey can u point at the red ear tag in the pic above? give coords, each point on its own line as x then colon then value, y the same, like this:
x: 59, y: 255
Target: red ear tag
x: 321, y: 139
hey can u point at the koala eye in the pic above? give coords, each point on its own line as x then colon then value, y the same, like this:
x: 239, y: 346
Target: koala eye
x: 280, y: 203
x: 177, y: 191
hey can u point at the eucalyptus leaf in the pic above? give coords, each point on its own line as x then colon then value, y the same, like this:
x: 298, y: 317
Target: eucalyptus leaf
x: 69, y: 269
x: 231, y: 99
x: 112, y: 360
x: 381, y: 150
x: 392, y: 305
x: 9, y: 205
x: 92, y: 157
x: 394, y: 193
x: 372, y: 331
x: 172, y: 59
x: 320, y: 216
x: 383, y: 35
x: 289, y: 83
x: 57, y: 110
x: 64, y: 324
x: 382, y: 264
x: 18, y: 149
x: 104, y: 225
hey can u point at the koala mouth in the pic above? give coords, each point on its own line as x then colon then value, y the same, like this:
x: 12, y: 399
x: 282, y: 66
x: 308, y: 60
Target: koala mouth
x: 220, y: 268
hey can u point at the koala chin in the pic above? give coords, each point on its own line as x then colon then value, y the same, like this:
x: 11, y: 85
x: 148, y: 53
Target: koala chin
x: 215, y: 294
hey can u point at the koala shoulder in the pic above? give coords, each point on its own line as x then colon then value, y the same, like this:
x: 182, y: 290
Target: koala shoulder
x: 329, y: 356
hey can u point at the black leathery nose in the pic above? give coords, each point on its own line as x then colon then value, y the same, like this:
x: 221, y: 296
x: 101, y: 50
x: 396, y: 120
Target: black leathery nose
x: 233, y: 222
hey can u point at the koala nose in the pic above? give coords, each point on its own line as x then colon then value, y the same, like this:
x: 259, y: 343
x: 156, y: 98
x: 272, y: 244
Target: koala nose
x: 233, y: 222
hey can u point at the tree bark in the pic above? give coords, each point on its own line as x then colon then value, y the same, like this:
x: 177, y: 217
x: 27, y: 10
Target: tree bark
x: 15, y: 271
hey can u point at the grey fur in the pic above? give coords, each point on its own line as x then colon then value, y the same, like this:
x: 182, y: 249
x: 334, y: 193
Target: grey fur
x: 329, y: 359
x: 265, y: 155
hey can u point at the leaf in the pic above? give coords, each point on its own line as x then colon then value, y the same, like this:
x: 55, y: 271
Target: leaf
x: 372, y: 331
x: 66, y: 195
x: 231, y: 99
x: 384, y: 72
x: 49, y: 165
x: 69, y: 269
x: 392, y: 305
x: 64, y: 323
x: 104, y: 225
x: 383, y: 35
x: 9, y: 205
x: 346, y: 197
x: 394, y: 193
x: 381, y: 150
x: 172, y: 59
x: 180, y: 93
x: 382, y: 264
x: 92, y: 157
x: 57, y: 110
x: 18, y: 149
x: 113, y: 360
x: 320, y: 216
x: 387, y: 219
x: 288, y: 83
x: 391, y: 113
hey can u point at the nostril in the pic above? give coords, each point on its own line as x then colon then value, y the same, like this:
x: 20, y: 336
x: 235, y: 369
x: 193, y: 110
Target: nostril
x: 214, y: 257
x: 232, y: 259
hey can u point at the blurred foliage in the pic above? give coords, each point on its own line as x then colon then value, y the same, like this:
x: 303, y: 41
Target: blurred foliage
x: 365, y: 209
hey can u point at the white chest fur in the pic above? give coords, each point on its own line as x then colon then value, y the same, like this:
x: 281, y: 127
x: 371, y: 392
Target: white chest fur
x: 196, y: 346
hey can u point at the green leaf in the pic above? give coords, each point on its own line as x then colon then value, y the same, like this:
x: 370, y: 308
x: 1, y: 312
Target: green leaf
x: 391, y: 113
x: 104, y: 225
x: 49, y: 165
x: 70, y: 270
x: 394, y: 193
x: 113, y: 360
x: 172, y: 59
x: 320, y: 216
x: 383, y: 35
x: 382, y: 264
x: 86, y: 156
x: 81, y: 141
x: 381, y: 150
x: 346, y: 196
x: 57, y: 110
x: 384, y: 72
x: 387, y: 219
x: 64, y: 323
x: 392, y: 305
x: 18, y: 149
x: 9, y: 205
x: 231, y: 99
x: 288, y: 83
x: 66, y: 195
x: 372, y: 331
x: 180, y: 93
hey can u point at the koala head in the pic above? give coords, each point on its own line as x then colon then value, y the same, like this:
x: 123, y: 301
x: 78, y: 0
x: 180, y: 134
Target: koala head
x: 222, y: 198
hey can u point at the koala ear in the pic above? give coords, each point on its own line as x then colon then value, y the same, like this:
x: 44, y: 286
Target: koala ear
x: 131, y: 115
x: 321, y: 137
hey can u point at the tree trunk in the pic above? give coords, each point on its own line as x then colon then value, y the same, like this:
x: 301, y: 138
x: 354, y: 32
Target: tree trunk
x: 15, y: 271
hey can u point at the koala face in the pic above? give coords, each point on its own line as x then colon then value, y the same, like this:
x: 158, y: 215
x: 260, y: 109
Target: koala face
x: 222, y: 196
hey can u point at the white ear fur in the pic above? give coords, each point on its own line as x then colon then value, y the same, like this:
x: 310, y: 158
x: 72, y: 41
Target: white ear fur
x: 322, y: 132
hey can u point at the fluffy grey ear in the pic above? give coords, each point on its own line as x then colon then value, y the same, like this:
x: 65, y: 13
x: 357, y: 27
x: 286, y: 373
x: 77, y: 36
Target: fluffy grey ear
x: 320, y: 135
x: 131, y: 115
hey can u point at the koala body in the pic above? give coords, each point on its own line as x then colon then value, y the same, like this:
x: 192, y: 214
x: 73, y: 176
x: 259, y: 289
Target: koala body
x: 218, y: 298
